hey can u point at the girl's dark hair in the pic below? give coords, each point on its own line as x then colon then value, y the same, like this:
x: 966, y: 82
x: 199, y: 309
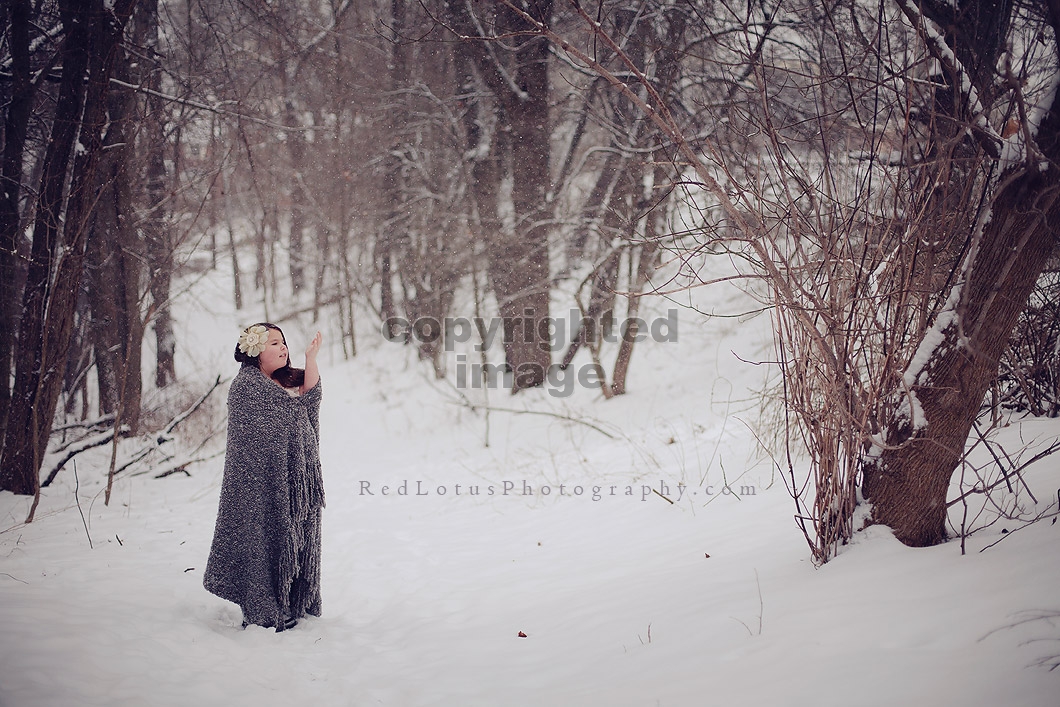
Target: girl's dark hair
x: 287, y: 375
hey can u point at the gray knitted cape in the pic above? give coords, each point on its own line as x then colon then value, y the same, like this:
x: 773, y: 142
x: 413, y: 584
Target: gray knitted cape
x: 266, y: 546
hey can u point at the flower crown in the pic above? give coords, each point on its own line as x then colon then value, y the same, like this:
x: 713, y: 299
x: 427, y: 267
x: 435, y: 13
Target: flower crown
x: 253, y: 339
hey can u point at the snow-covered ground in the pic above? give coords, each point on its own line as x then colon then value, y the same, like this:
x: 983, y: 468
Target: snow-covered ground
x: 623, y: 599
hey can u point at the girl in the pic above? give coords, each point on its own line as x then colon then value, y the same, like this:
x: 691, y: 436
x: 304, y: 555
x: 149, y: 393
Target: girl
x: 266, y: 546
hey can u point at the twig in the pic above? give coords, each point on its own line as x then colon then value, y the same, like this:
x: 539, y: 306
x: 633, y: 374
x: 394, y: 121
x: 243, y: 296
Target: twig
x: 565, y: 418
x: 84, y: 445
x: 1004, y: 471
x: 108, y: 436
x: 761, y: 604
x: 85, y: 424
x: 77, y: 485
x: 1026, y: 524
x: 760, y: 610
x: 1051, y: 449
x: 1029, y: 616
x: 211, y: 109
x: 177, y: 467
x: 668, y: 500
x: 195, y: 406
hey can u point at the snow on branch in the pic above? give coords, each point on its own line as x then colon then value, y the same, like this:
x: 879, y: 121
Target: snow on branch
x: 148, y: 445
x: 194, y: 406
x: 980, y: 127
x: 91, y: 442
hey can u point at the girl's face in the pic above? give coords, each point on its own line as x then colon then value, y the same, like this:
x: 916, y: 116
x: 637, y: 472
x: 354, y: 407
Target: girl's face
x: 274, y: 356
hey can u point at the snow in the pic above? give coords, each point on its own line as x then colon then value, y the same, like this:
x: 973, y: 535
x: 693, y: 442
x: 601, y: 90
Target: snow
x: 911, y: 409
x: 625, y: 600
x: 1041, y: 107
x: 934, y: 338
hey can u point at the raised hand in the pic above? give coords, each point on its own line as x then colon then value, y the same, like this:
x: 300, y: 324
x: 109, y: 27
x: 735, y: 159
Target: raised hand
x: 311, y: 373
x: 314, y: 346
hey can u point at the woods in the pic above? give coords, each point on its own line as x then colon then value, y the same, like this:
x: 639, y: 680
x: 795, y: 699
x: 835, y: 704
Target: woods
x: 881, y: 177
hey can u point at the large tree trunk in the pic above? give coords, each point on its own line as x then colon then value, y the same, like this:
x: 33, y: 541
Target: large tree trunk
x: 908, y: 482
x: 518, y: 260
x: 517, y: 257
x: 15, y: 126
x: 92, y: 36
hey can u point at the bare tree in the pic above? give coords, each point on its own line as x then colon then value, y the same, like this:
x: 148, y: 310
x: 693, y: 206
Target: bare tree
x: 20, y: 94
x: 92, y: 34
x: 113, y: 270
x: 624, y: 219
x: 153, y: 144
x: 957, y: 360
x: 514, y: 72
x: 886, y: 354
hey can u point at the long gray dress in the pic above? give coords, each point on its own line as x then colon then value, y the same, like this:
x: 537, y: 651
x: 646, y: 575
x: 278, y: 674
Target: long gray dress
x: 265, y: 555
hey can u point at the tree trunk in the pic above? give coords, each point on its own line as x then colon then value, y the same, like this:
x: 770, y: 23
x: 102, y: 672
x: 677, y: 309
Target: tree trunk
x: 323, y: 256
x: 295, y: 141
x: 908, y: 482
x: 237, y: 275
x: 21, y: 453
x: 517, y: 257
x: 156, y: 227
x: 518, y: 260
x: 386, y: 286
x: 647, y: 262
x: 113, y: 266
x: 393, y: 176
x: 92, y: 36
x: 15, y: 128
x: 667, y: 71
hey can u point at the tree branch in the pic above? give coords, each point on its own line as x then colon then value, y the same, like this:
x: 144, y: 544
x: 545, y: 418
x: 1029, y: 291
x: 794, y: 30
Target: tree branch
x: 979, y: 126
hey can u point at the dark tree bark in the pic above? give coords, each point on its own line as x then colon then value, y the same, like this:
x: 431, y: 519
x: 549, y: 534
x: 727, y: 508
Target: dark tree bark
x: 11, y: 174
x: 518, y: 261
x: 945, y: 181
x: 907, y: 485
x: 22, y: 453
x: 92, y: 37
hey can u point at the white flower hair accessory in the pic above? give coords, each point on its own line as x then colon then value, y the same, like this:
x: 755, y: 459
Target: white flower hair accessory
x: 253, y: 339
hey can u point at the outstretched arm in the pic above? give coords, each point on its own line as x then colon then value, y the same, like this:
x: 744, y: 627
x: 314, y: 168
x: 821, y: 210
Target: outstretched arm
x: 312, y: 374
